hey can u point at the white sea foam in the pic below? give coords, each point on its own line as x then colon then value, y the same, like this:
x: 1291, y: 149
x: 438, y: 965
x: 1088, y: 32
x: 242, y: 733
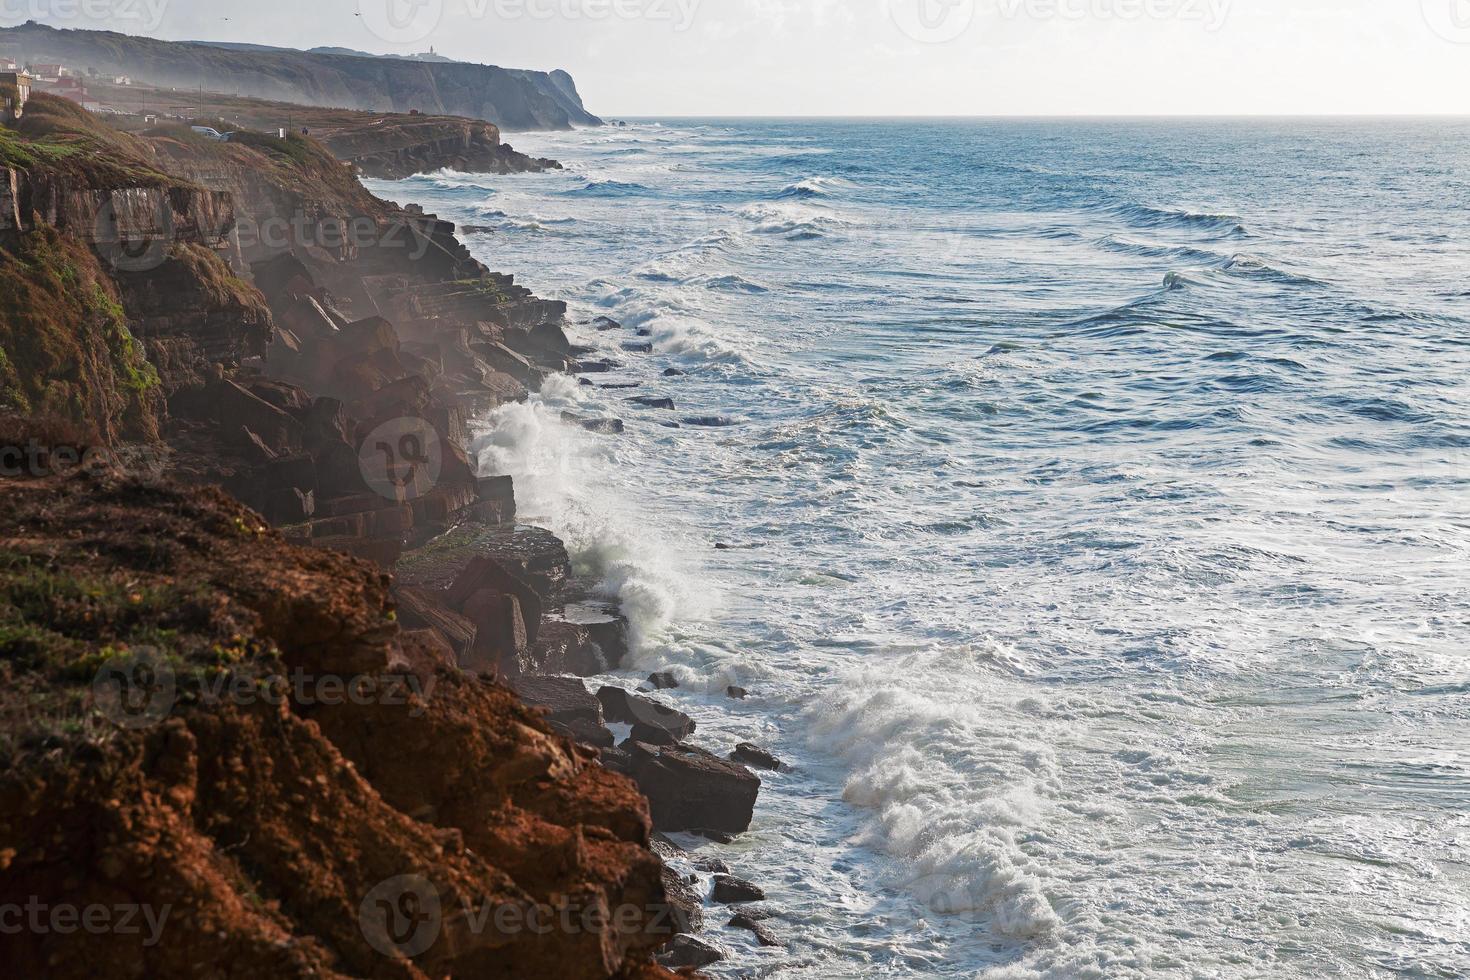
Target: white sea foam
x: 952, y: 795
x: 561, y: 478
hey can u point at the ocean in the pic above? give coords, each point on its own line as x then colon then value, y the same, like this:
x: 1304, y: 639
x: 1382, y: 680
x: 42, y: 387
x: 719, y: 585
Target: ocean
x: 1086, y: 505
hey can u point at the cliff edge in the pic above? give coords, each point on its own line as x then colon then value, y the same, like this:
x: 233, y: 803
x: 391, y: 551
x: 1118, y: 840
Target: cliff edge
x: 513, y: 99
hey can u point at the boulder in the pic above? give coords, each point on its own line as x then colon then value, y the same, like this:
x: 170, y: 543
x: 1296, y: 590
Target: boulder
x: 712, y: 866
x: 617, y: 760
x: 649, y: 401
x: 685, y: 906
x: 604, y: 625
x: 605, y: 323
x: 406, y: 398
x: 339, y: 471
x: 487, y: 573
x: 649, y: 735
x: 368, y: 336
x: 756, y: 757
x: 602, y: 427
x: 283, y: 395
x: 638, y: 347
x: 595, y: 367
x: 686, y: 952
x: 497, y: 493
x: 323, y: 421
x: 507, y: 361
x: 297, y: 472
x: 736, y: 693
x: 253, y: 447
x: 234, y: 406
x: 306, y: 317
x: 689, y: 789
x: 663, y: 681
x: 418, y: 609
x: 752, y: 923
x: 566, y: 648
x: 565, y: 699
x: 289, y: 506
x: 673, y: 373
x: 627, y: 708
x: 730, y: 890
x: 500, y: 632
x: 426, y: 650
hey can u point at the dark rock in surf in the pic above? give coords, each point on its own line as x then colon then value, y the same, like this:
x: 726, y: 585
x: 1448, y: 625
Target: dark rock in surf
x: 663, y: 681
x: 649, y: 401
x: 689, y: 789
x: 756, y: 757
x: 688, y: 952
x: 752, y: 924
x: 626, y: 708
x: 594, y: 367
x: 730, y: 890
x: 685, y: 906
x: 602, y: 427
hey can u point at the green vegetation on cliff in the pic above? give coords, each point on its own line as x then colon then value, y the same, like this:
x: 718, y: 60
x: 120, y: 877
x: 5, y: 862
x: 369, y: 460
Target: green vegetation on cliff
x: 65, y: 347
x: 60, y: 136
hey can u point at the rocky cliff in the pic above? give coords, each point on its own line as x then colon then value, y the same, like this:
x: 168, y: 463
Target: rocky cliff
x: 253, y: 751
x: 298, y: 788
x: 511, y: 99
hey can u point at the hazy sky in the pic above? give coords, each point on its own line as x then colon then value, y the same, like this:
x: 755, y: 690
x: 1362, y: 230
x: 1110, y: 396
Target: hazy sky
x: 884, y: 57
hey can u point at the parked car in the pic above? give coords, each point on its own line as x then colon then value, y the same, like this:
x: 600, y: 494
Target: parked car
x: 210, y: 133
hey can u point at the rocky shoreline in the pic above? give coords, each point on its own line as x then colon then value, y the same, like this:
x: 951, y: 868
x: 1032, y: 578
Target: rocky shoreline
x: 324, y: 377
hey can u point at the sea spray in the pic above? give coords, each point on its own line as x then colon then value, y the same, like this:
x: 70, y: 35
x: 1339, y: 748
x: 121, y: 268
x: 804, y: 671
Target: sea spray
x: 562, y: 483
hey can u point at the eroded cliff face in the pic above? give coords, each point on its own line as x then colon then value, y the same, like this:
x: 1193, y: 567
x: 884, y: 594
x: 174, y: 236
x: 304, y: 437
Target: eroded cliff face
x: 280, y: 828
x: 280, y: 760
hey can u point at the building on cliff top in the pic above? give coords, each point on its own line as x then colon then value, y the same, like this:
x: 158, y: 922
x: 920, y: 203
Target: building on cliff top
x: 67, y: 88
x: 15, y: 92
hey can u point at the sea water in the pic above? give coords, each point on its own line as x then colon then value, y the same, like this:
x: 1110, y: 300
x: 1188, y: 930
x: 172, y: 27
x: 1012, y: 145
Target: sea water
x: 1086, y: 505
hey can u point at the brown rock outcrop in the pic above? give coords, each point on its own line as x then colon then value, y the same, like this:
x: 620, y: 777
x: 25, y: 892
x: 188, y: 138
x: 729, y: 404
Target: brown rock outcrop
x: 280, y: 835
